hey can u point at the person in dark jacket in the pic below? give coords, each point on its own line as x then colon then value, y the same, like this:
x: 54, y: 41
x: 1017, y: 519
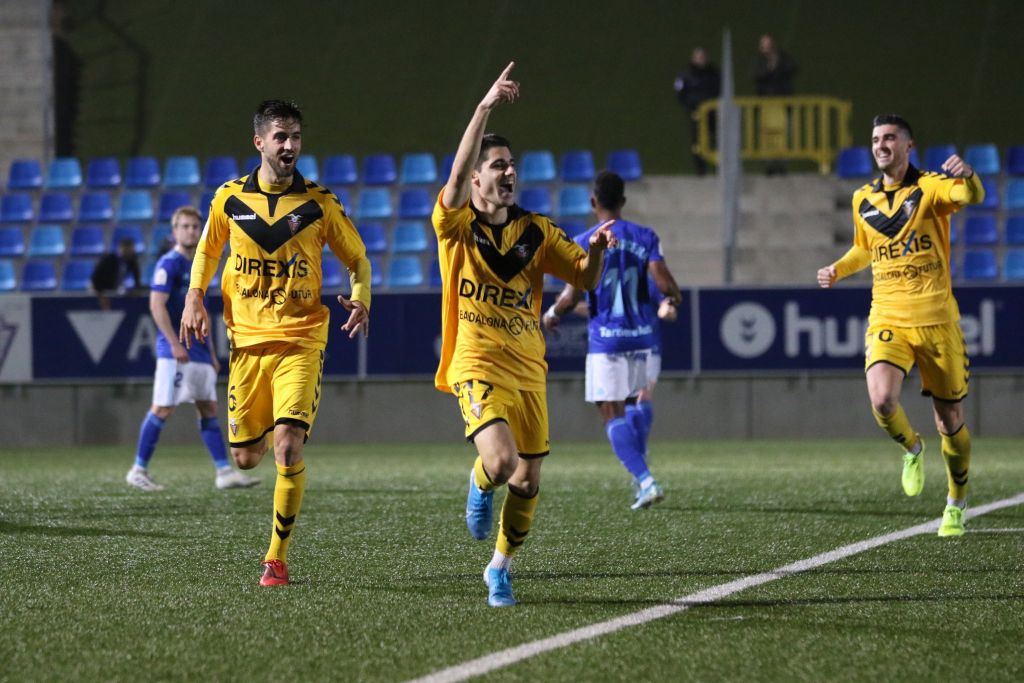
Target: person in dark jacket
x: 116, y: 272
x: 773, y: 72
x: 697, y: 83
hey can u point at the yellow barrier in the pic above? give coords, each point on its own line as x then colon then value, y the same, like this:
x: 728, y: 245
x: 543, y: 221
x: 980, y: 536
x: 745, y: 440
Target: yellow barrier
x: 775, y: 128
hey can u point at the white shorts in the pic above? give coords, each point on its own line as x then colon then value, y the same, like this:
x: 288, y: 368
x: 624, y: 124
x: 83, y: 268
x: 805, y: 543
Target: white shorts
x: 653, y: 368
x: 615, y: 376
x: 176, y: 382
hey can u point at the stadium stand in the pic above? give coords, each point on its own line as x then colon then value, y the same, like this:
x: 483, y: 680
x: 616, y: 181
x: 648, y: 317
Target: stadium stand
x: 346, y: 199
x: 8, y: 278
x: 446, y: 167
x: 574, y: 200
x: 1014, y: 199
x: 536, y: 166
x: 307, y: 166
x: 25, y: 174
x: 415, y: 203
x: 205, y: 200
x: 376, y: 271
x: 577, y: 166
x: 88, y: 240
x: 12, y: 241
x: 374, y: 237
x: 1014, y: 264
x: 218, y: 170
x: 169, y: 202
x: 129, y: 232
x: 418, y: 168
x: 332, y: 272
x: 249, y: 163
x: 434, y: 270
x: 410, y: 237
x: 980, y: 230
x: 405, y: 271
x: 16, y: 207
x: 135, y: 205
x: 536, y: 199
x: 1015, y: 230
x: 340, y: 169
x: 935, y: 155
x: 984, y: 158
x: 64, y: 173
x: 181, y: 171
x: 374, y: 202
x: 954, y: 232
x: 103, y: 173
x: 379, y: 169
x: 46, y: 241
x: 991, y: 201
x: 38, y: 275
x: 626, y: 162
x: 77, y: 275
x: 855, y: 162
x: 95, y: 206
x: 1015, y: 160
x: 573, y: 228
x: 159, y: 239
x: 56, y: 207
x: 980, y: 265
x: 142, y: 172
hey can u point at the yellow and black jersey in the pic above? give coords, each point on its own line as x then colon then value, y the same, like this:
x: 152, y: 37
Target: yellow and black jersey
x: 273, y: 275
x: 902, y: 232
x: 492, y: 280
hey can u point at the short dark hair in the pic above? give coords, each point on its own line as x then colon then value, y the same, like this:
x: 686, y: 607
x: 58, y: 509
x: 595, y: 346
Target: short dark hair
x: 269, y: 111
x: 893, y: 120
x: 609, y: 190
x: 489, y: 141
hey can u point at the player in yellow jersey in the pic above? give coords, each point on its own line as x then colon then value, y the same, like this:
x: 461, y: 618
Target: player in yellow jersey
x: 277, y: 224
x: 493, y: 255
x: 901, y: 229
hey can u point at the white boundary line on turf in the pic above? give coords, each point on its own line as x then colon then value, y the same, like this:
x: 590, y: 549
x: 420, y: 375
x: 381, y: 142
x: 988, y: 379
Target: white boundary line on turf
x: 498, y: 660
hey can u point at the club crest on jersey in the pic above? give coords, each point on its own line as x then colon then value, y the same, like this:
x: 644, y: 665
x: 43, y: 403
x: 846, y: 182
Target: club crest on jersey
x: 233, y: 425
x: 294, y: 222
x: 908, y: 207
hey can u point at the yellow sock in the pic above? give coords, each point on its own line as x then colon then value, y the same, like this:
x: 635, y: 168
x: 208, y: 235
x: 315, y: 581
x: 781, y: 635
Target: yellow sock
x: 483, y: 482
x: 288, y: 490
x: 898, y: 427
x: 956, y: 449
x: 516, y: 520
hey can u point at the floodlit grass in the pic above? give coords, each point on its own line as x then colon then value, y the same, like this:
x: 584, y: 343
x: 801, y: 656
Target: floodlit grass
x: 104, y: 582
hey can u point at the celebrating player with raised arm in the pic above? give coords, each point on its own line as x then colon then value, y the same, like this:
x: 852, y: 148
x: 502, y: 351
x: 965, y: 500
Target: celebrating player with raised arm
x: 493, y: 255
x: 901, y: 229
x: 277, y: 224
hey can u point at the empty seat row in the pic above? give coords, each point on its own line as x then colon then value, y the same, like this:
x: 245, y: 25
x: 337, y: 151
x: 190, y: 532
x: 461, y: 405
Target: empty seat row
x: 96, y: 206
x: 983, y: 229
x: 185, y: 171
x: 856, y: 162
x: 983, y: 265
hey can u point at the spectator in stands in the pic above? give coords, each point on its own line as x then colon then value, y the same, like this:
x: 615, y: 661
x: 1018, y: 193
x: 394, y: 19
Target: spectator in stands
x: 773, y: 72
x: 182, y: 375
x: 622, y: 330
x: 901, y: 230
x: 116, y: 273
x: 697, y: 83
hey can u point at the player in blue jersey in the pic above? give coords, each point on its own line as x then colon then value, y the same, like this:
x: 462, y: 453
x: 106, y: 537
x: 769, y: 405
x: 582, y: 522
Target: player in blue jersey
x: 182, y: 375
x: 621, y: 330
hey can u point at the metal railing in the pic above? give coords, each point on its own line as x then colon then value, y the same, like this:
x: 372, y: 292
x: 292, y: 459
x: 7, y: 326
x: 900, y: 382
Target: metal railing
x: 807, y: 127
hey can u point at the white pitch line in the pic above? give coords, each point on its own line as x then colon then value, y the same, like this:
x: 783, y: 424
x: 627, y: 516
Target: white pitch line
x: 498, y: 660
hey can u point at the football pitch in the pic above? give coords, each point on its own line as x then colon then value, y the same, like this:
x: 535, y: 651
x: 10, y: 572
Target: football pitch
x: 102, y: 582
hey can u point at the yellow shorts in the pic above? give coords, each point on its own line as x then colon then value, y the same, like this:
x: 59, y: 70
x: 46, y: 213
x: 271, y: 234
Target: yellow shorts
x: 525, y: 412
x: 938, y: 350
x: 272, y: 384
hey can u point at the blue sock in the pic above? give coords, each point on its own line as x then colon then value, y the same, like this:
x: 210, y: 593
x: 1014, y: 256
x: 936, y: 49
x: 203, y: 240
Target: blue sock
x: 149, y: 434
x: 626, y: 444
x: 640, y: 419
x: 210, y: 431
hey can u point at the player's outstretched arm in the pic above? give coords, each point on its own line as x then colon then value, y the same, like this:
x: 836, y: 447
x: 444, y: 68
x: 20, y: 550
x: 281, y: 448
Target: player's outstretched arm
x: 195, y: 321
x: 456, y: 191
x: 358, y: 318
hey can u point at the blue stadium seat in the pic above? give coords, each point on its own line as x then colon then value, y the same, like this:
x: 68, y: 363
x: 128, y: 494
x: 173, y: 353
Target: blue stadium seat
x: 142, y: 172
x: 991, y: 201
x: 410, y: 237
x: 88, y: 240
x: 219, y: 170
x: 181, y: 171
x: 159, y: 239
x: 64, y: 173
x: 405, y: 271
x: 1015, y: 230
x: 129, y: 232
x: 103, y: 173
x: 980, y: 264
x: 980, y: 230
x: 1014, y: 200
x: 374, y: 202
x: 146, y: 271
x: 376, y: 271
x: 332, y: 272
x: 379, y: 169
x: 446, y: 167
x: 984, y: 159
x: 1015, y: 160
x: 307, y: 166
x: 95, y: 207
x: 39, y: 275
x: 46, y: 240
x: 250, y: 163
x: 415, y: 203
x: 626, y: 162
x: 936, y: 155
x: 434, y: 278
x: 914, y: 159
x: 953, y: 231
x: 16, y: 207
x: 340, y: 169
x: 574, y: 200
x: 536, y: 199
x: 12, y: 241
x: 205, y: 200
x: 536, y: 166
x: 56, y: 207
x: 77, y: 275
x: 855, y: 162
x: 169, y: 203
x: 573, y: 228
x: 26, y: 174
x: 419, y: 167
x: 136, y: 205
x: 346, y: 200
x: 1013, y: 267
x: 8, y: 279
x: 374, y: 237
x: 577, y: 166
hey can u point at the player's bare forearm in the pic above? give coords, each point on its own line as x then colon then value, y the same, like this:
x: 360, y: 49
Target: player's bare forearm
x: 565, y: 302
x: 195, y: 321
x: 667, y: 284
x: 162, y: 319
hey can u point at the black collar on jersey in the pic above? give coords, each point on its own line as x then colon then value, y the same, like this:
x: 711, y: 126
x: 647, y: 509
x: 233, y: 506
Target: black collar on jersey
x: 252, y: 184
x: 910, y: 178
x: 515, y: 211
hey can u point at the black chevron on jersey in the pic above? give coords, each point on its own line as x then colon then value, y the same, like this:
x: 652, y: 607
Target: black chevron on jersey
x: 271, y: 237
x: 511, y: 263
x: 890, y: 226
